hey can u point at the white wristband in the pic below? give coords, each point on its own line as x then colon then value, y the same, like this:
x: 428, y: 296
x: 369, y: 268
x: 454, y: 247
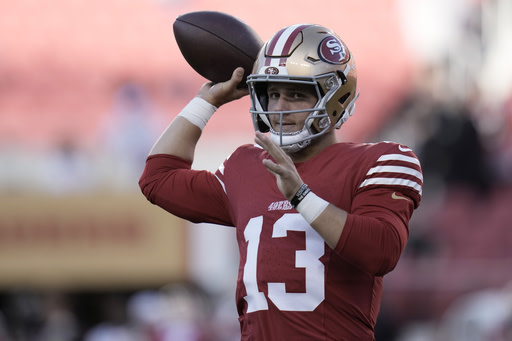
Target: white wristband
x: 311, y: 207
x: 198, y: 111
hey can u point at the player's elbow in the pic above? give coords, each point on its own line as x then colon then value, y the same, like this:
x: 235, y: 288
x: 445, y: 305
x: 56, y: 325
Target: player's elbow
x: 145, y: 188
x: 388, y: 261
x: 147, y: 184
x: 388, y: 252
x: 382, y: 242
x: 382, y: 261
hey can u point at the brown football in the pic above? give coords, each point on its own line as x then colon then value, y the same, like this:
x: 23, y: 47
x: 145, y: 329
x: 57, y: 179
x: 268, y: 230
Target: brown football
x: 215, y: 43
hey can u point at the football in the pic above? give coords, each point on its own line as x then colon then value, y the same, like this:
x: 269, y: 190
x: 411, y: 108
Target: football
x: 215, y: 43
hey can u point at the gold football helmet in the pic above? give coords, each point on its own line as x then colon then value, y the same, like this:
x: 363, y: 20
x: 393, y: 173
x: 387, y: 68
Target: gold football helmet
x: 306, y: 54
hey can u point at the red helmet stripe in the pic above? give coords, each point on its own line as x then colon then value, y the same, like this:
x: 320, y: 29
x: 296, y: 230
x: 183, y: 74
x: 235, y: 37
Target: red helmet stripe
x: 291, y: 38
x: 271, y: 46
x: 273, y: 42
x: 282, y: 41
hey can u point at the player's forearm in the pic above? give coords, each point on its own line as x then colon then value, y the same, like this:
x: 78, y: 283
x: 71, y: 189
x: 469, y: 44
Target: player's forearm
x: 179, y: 139
x: 329, y: 224
x: 328, y: 220
x: 374, y: 246
x: 371, y: 243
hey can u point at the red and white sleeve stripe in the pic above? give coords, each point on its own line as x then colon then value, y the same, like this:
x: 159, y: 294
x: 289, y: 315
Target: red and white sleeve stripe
x: 395, y: 170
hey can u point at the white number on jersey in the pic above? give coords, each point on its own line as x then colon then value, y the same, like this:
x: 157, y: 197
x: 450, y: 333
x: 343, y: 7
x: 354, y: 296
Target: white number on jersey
x: 309, y: 259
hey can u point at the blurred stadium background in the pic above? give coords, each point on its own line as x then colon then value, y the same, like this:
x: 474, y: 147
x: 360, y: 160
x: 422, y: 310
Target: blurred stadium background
x: 87, y: 86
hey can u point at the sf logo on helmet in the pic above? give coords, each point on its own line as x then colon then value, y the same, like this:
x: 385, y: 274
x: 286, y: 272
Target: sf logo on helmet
x: 271, y: 70
x: 333, y: 51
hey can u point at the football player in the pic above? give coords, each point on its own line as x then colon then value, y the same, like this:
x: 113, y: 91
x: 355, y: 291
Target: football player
x: 318, y: 222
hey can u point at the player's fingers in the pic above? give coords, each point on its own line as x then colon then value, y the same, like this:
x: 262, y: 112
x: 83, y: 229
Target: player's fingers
x: 235, y: 83
x: 263, y: 141
x: 231, y: 84
x: 224, y: 92
x: 258, y: 138
x: 237, y: 75
x: 206, y: 87
x: 271, y: 147
x: 272, y: 167
x: 230, y: 88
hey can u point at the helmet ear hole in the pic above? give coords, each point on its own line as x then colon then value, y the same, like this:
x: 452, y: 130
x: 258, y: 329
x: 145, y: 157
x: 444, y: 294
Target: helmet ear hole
x: 338, y: 119
x: 341, y: 100
x: 344, y: 98
x: 342, y: 77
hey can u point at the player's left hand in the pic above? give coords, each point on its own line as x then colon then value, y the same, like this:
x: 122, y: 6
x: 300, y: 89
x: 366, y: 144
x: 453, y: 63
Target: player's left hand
x: 287, y: 177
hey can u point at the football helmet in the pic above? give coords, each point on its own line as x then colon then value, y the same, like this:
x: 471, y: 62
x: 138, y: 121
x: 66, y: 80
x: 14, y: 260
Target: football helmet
x: 305, y: 54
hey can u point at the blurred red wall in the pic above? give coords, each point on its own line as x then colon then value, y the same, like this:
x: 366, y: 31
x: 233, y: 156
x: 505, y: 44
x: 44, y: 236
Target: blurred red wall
x: 61, y: 64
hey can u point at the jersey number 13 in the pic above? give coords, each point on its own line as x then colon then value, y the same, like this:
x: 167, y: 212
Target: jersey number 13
x: 309, y: 259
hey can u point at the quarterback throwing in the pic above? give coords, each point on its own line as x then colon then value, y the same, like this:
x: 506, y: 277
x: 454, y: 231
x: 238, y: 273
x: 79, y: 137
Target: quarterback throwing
x: 318, y: 222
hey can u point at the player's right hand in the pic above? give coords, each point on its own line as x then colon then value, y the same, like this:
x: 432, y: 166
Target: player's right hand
x: 218, y: 94
x: 282, y: 167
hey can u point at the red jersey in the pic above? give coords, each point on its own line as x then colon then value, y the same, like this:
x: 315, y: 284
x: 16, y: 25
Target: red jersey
x: 291, y: 285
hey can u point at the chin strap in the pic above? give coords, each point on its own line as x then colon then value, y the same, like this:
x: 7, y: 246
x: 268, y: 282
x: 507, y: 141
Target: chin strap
x: 291, y: 143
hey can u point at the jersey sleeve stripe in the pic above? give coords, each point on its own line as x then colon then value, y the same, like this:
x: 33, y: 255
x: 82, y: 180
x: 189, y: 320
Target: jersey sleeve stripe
x: 392, y: 181
x: 220, y: 170
x: 399, y: 157
x: 396, y: 169
x: 221, y: 183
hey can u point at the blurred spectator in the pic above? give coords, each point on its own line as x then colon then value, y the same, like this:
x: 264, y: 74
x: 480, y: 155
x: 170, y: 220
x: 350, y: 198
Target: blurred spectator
x: 176, y: 312
x: 111, y: 332
x: 19, y: 170
x: 67, y: 169
x: 4, y: 336
x: 146, y: 311
x: 459, y: 239
x: 443, y: 131
x: 453, y: 154
x: 24, y: 315
x: 497, y: 129
x: 481, y: 316
x: 31, y: 316
x: 127, y: 136
x: 115, y: 325
x: 59, y: 322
